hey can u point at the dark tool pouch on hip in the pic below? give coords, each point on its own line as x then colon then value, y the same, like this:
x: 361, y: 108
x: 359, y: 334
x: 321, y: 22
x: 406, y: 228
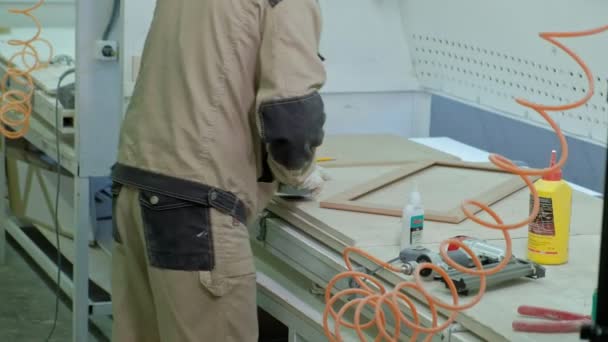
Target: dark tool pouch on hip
x: 176, y: 217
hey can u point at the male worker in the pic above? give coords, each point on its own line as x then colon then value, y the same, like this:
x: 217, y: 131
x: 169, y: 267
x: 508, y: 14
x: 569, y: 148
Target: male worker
x: 226, y: 106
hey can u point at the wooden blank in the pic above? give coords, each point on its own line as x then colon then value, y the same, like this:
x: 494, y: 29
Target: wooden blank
x: 442, y: 192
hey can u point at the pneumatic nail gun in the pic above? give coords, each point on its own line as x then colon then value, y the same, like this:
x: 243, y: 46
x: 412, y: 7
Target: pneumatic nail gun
x: 489, y: 255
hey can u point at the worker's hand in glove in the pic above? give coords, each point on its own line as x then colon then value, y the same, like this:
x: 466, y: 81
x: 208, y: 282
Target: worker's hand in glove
x: 314, y: 182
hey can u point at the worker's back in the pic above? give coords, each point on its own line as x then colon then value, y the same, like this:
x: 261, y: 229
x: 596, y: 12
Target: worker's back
x: 189, y: 116
x: 216, y: 78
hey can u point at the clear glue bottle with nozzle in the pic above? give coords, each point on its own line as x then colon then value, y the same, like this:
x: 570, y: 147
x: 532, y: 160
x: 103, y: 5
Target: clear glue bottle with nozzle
x: 549, y: 233
x: 412, y: 221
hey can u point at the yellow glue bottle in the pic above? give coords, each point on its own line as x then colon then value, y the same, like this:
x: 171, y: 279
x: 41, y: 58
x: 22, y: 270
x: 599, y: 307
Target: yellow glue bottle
x: 549, y: 233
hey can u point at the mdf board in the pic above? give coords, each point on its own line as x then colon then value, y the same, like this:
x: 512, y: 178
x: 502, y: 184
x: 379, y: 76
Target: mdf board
x: 444, y: 187
x: 375, y: 150
x: 340, y: 228
x: 32, y: 185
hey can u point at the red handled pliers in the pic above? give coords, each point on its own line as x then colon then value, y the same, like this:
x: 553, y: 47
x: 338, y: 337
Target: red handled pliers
x: 562, y: 321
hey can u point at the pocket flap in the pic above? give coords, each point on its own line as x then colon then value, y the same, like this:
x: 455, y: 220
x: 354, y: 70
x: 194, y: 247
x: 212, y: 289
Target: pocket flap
x: 156, y: 201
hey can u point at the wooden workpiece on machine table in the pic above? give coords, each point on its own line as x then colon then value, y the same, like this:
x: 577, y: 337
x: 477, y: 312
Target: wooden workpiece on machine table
x: 567, y: 287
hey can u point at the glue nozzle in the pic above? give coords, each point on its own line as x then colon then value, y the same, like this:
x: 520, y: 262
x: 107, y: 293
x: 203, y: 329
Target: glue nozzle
x: 414, y: 196
x: 555, y: 175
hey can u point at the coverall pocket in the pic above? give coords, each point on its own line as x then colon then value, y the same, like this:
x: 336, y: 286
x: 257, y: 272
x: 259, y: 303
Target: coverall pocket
x: 178, y: 233
x: 233, y: 256
x: 116, y: 187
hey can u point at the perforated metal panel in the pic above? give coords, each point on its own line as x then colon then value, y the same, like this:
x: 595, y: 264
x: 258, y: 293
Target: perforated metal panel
x: 487, y: 53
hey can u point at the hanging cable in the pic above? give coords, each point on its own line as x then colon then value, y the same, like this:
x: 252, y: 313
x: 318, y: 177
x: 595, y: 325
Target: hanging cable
x: 372, y: 294
x: 113, y: 17
x: 57, y: 193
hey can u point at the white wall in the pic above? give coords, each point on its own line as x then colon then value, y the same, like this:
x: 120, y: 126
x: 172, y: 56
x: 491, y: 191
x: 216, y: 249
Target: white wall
x: 52, y: 13
x: 371, y: 84
x: 400, y: 113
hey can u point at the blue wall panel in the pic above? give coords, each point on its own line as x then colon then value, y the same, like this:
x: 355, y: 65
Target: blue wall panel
x: 516, y: 140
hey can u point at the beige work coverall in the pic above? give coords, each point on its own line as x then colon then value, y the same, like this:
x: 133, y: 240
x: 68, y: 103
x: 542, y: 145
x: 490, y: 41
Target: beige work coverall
x: 226, y: 106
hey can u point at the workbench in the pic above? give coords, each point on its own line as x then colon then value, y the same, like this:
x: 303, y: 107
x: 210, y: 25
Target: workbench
x: 298, y: 250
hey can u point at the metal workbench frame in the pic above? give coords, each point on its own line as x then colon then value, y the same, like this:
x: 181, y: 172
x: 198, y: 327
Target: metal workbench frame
x: 95, y: 152
x: 296, y: 257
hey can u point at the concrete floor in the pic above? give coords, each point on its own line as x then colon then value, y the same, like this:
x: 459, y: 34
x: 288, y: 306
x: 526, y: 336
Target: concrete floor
x: 27, y: 306
x: 27, y: 303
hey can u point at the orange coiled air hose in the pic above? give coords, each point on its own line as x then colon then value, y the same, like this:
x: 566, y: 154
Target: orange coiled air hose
x: 373, y: 294
x: 16, y: 104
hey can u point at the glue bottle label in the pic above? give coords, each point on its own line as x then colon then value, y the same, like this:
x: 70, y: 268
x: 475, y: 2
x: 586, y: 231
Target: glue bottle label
x: 416, y: 227
x: 542, y: 229
x: 544, y: 223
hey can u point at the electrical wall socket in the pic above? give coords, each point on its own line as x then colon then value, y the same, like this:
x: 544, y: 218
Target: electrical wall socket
x: 106, y: 50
